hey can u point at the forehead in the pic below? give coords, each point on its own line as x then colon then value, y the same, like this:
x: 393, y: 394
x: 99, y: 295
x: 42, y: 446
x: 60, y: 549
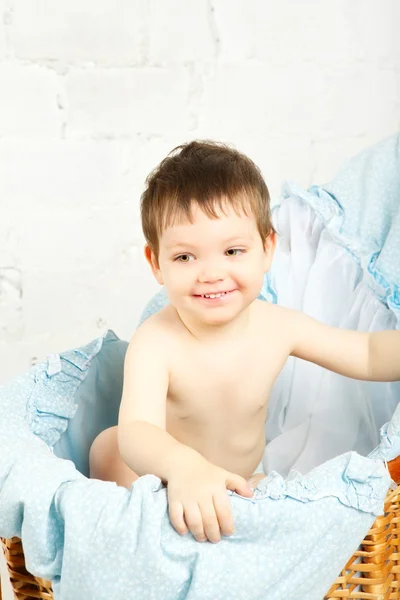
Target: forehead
x: 230, y: 223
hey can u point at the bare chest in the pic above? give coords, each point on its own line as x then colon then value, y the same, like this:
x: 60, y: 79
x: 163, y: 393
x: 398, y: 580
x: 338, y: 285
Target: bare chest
x: 233, y: 384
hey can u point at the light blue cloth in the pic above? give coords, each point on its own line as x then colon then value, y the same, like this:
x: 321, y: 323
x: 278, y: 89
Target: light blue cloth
x: 292, y: 539
x: 93, y: 407
x: 109, y: 542
x: 360, y: 207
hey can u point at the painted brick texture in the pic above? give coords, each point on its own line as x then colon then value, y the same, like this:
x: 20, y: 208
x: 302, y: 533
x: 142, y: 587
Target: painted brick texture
x: 93, y: 94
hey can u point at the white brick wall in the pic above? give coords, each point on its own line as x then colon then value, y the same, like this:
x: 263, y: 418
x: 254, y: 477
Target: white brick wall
x: 150, y: 101
x: 93, y: 94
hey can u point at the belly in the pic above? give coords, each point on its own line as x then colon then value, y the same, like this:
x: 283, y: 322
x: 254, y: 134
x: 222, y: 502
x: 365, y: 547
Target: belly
x: 234, y: 444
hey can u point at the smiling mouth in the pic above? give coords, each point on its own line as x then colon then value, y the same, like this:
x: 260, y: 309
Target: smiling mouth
x: 211, y: 296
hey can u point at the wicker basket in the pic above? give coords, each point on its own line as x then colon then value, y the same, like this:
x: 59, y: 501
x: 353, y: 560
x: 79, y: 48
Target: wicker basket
x: 372, y: 573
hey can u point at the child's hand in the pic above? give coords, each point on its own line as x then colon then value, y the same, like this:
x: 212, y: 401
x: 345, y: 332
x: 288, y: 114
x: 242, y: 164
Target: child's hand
x: 198, y: 500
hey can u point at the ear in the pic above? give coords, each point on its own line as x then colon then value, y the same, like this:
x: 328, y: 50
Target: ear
x: 153, y: 262
x: 269, y: 249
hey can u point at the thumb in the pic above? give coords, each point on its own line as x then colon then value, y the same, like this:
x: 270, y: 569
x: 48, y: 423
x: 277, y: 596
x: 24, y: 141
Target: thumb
x: 239, y: 485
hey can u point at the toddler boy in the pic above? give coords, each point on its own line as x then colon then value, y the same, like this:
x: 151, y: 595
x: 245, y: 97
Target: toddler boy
x: 199, y: 372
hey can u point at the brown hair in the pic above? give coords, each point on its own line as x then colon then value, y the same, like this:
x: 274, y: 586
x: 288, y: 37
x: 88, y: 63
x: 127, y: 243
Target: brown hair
x: 207, y: 173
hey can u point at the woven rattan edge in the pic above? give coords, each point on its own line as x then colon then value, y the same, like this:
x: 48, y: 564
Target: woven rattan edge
x: 25, y: 586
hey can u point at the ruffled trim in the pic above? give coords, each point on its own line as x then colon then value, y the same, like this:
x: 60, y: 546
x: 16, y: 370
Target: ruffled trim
x: 389, y: 447
x: 51, y: 403
x: 356, y: 481
x: 364, y: 252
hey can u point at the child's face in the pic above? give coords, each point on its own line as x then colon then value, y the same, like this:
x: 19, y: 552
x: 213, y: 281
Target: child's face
x: 212, y: 256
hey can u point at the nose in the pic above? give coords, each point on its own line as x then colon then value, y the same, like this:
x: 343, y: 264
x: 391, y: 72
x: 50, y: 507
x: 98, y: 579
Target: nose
x: 211, y: 273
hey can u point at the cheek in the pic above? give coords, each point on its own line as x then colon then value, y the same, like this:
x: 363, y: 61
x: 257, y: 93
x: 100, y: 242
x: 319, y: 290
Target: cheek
x: 177, y: 277
x: 252, y: 273
x: 249, y: 269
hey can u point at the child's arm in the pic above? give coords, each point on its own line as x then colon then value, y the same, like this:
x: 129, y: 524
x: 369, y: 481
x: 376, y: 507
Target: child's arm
x: 143, y: 441
x: 370, y: 356
x: 197, y: 495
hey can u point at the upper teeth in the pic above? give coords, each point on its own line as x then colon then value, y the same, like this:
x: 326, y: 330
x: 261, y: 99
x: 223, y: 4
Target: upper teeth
x: 214, y: 295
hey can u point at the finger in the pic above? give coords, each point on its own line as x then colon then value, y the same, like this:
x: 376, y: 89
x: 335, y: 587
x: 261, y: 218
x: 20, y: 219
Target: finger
x: 194, y: 521
x: 210, y: 521
x: 239, y: 484
x: 223, y: 510
x: 176, y: 517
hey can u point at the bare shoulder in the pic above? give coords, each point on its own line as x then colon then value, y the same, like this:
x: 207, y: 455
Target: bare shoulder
x: 158, y: 332
x: 269, y: 313
x: 279, y: 320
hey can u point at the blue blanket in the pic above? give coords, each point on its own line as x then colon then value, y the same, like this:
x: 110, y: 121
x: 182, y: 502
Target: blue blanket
x: 96, y: 540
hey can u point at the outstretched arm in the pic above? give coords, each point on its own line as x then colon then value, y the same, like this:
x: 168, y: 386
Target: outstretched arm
x: 384, y: 355
x: 371, y: 356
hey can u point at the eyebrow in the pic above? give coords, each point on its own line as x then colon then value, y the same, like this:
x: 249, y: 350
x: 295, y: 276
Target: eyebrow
x: 235, y: 239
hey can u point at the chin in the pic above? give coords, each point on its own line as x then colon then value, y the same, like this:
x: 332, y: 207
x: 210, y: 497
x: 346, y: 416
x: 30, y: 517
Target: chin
x: 216, y: 320
x: 219, y: 319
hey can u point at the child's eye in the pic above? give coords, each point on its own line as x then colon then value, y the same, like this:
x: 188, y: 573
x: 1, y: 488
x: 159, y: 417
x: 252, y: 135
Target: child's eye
x: 235, y: 251
x: 184, y: 258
